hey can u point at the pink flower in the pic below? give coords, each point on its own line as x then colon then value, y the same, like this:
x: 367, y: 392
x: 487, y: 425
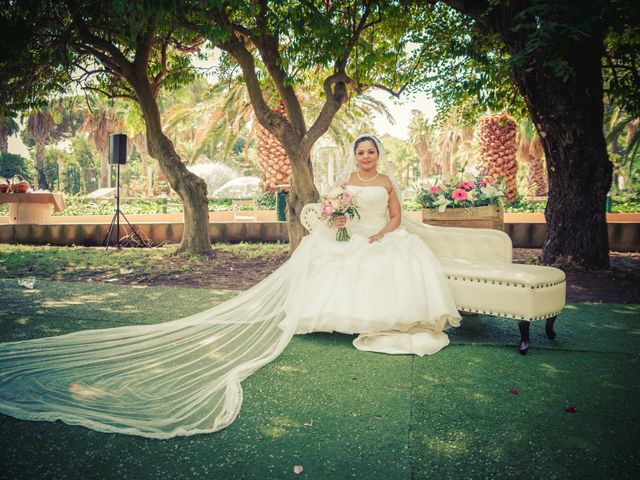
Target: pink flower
x: 346, y: 197
x: 468, y: 185
x: 483, y: 182
x: 459, y: 194
x: 327, y: 209
x: 515, y: 392
x: 435, y: 189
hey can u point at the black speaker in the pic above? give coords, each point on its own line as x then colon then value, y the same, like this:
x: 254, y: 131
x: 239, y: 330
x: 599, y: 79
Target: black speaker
x: 117, y: 149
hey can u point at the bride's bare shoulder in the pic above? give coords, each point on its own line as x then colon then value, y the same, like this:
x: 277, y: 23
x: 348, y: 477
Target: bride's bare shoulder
x: 385, y: 181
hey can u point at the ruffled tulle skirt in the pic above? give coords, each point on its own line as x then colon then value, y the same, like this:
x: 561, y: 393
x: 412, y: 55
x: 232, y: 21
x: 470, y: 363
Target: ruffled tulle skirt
x: 392, y: 292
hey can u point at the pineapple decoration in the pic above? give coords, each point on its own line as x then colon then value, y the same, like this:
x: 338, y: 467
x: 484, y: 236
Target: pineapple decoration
x: 273, y: 161
x: 498, y: 151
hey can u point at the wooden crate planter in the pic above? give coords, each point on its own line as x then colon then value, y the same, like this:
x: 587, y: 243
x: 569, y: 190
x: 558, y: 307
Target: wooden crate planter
x: 490, y: 216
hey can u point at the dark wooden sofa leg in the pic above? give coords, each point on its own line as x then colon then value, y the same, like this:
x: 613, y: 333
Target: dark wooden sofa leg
x: 551, y: 334
x: 523, y: 325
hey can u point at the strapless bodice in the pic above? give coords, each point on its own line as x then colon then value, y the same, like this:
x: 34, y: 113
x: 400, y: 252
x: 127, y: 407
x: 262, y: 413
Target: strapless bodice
x: 373, y: 204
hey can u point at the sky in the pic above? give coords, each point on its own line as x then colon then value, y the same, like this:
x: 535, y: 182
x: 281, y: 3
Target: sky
x: 401, y: 111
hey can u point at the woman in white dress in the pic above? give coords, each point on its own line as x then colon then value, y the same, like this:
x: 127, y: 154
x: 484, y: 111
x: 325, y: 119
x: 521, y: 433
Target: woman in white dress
x: 183, y: 377
x: 384, y: 283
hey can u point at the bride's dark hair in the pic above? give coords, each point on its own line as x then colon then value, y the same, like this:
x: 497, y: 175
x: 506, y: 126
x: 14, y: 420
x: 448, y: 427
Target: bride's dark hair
x: 365, y: 138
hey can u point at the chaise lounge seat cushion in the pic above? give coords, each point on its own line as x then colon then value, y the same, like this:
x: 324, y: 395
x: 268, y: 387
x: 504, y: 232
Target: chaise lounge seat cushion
x: 523, y: 292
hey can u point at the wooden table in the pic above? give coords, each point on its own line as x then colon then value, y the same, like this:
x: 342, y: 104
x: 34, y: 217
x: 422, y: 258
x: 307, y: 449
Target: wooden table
x: 32, y: 208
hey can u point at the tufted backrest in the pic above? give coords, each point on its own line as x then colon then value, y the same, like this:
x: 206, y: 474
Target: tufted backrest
x: 310, y: 216
x: 481, y: 245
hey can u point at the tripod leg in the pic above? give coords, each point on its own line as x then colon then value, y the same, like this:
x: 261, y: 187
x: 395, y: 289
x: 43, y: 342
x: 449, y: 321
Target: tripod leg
x: 107, y: 239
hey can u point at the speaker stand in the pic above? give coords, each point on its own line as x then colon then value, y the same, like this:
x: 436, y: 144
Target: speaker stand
x: 115, y: 221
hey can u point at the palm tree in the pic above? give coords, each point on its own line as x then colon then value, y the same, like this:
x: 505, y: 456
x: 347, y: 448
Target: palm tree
x: 498, y: 151
x: 529, y: 151
x: 421, y: 135
x: 623, y: 135
x: 453, y: 145
x: 39, y: 126
x: 8, y: 127
x: 103, y: 117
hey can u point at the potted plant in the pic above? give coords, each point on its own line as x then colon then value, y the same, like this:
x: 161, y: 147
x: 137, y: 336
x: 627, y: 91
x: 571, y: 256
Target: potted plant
x: 19, y: 184
x: 4, y: 185
x: 463, y: 201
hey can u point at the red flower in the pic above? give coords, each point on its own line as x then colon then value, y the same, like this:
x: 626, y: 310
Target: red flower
x: 514, y: 391
x: 435, y: 189
x: 570, y: 409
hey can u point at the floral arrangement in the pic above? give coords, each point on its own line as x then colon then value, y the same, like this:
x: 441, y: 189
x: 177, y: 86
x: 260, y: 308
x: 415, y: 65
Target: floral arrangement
x: 339, y: 202
x: 464, y: 191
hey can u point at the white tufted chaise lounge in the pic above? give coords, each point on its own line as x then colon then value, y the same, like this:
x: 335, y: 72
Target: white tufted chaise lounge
x: 477, y: 263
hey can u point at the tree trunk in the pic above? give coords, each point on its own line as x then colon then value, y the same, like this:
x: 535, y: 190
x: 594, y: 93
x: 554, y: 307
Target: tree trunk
x: 302, y: 191
x: 568, y: 115
x: 4, y: 140
x: 42, y: 177
x: 191, y: 188
x: 61, y: 184
x: 104, y: 169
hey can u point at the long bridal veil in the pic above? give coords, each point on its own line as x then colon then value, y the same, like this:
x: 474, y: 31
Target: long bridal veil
x: 159, y: 381
x: 170, y: 379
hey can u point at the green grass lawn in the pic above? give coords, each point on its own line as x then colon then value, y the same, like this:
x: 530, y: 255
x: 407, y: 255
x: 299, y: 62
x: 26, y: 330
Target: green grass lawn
x: 341, y: 413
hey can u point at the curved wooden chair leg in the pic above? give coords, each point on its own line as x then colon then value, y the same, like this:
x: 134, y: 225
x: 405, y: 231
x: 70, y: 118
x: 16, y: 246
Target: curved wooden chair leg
x: 524, y: 325
x: 551, y: 334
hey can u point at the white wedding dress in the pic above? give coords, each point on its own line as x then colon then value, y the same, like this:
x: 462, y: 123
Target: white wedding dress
x: 183, y: 377
x: 392, y: 292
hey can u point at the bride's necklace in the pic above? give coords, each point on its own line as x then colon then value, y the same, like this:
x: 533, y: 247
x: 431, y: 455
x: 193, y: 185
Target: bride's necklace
x: 366, y: 180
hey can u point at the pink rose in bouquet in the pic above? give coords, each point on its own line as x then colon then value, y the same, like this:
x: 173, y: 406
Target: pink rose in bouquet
x: 338, y: 203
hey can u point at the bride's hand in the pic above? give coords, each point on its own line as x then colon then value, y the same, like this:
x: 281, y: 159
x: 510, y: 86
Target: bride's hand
x: 339, y: 222
x: 376, y: 238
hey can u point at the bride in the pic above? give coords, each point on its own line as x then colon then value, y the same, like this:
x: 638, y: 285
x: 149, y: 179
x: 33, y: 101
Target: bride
x: 183, y: 377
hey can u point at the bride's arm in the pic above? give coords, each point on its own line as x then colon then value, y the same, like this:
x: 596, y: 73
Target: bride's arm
x: 395, y: 217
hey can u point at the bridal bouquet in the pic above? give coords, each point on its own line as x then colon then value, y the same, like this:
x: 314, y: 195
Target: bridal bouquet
x: 338, y: 202
x: 465, y: 191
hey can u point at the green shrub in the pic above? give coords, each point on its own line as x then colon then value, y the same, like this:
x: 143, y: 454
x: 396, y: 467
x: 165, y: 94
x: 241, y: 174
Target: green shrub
x: 12, y: 164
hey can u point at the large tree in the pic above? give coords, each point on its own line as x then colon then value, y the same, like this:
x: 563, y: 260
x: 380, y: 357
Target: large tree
x: 554, y: 52
x: 121, y: 49
x: 359, y: 43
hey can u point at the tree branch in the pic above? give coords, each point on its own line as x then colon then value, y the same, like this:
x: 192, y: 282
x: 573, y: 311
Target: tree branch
x: 341, y: 64
x: 119, y: 63
x: 335, y: 99
x: 105, y: 59
x: 244, y: 58
x: 163, y: 60
x: 268, y: 47
x: 111, y: 94
x: 141, y: 59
